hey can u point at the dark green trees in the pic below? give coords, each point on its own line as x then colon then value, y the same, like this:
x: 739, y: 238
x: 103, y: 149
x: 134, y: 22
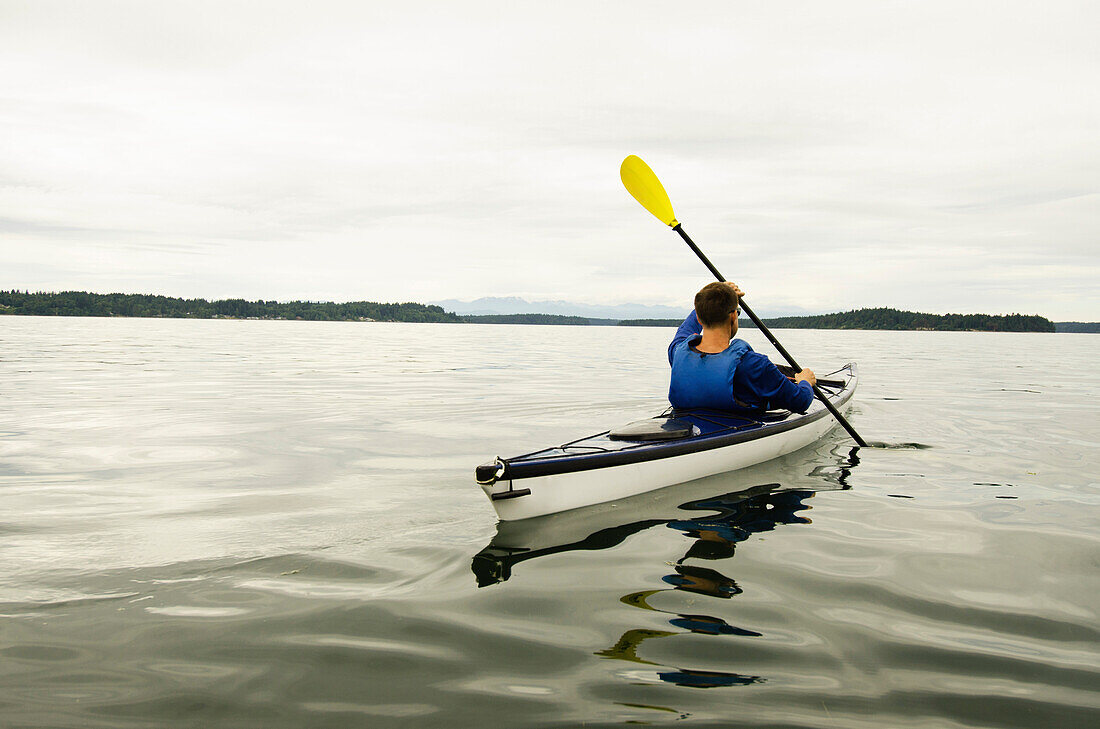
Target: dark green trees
x: 79, y: 303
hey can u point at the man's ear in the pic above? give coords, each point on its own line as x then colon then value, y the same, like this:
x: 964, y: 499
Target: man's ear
x: 698, y: 319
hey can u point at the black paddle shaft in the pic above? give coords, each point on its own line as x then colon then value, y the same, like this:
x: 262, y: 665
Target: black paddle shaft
x: 771, y: 338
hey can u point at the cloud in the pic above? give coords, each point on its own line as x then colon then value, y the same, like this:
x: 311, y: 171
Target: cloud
x: 832, y: 156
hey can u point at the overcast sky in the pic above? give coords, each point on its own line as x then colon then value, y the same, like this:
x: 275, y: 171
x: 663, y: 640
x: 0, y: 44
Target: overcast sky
x: 933, y: 156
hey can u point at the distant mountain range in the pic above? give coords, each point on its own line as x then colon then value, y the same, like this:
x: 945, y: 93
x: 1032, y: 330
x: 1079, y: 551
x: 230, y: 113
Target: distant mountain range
x: 515, y: 305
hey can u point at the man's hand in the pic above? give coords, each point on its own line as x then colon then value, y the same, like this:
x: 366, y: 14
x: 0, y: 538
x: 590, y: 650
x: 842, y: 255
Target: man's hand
x: 736, y: 290
x: 807, y: 375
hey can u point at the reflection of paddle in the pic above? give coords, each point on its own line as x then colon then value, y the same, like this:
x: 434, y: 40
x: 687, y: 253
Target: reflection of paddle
x: 648, y: 190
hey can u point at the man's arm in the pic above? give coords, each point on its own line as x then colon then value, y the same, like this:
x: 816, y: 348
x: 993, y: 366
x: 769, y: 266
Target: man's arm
x: 772, y: 386
x: 690, y: 328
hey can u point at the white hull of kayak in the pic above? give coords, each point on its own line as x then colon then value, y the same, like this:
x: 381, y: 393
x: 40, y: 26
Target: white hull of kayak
x: 565, y: 491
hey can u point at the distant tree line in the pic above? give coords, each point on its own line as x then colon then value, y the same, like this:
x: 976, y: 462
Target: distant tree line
x: 889, y: 319
x: 651, y: 322
x: 527, y: 319
x: 80, y: 303
x: 895, y: 319
x: 1078, y: 327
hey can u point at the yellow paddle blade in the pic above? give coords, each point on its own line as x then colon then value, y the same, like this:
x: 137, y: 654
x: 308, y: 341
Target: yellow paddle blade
x: 640, y: 182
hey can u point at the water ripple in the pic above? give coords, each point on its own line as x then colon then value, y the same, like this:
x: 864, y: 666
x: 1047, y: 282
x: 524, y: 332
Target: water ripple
x: 272, y: 524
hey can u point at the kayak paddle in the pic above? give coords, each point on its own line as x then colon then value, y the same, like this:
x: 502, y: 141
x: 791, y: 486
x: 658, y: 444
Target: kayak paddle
x: 644, y: 186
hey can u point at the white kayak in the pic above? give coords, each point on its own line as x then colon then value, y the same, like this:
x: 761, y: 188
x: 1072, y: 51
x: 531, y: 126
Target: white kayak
x: 671, y: 448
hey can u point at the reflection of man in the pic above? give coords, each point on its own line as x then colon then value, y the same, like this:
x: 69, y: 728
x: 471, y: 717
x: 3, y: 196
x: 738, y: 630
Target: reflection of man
x: 703, y: 581
x: 711, y: 369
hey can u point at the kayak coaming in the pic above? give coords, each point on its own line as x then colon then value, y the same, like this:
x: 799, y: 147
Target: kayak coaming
x: 535, y: 484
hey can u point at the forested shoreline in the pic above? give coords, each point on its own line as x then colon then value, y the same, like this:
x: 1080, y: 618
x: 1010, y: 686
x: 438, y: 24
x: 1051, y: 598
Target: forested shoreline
x: 885, y: 318
x: 890, y: 319
x: 80, y: 303
x: 1077, y: 327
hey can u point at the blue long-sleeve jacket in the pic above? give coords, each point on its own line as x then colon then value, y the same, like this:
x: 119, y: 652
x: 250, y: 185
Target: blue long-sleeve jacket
x: 735, y: 379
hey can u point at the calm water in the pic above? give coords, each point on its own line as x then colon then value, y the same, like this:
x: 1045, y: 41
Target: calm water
x: 274, y: 524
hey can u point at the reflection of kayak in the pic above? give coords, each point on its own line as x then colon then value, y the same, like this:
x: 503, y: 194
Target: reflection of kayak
x: 723, y: 521
x: 671, y: 448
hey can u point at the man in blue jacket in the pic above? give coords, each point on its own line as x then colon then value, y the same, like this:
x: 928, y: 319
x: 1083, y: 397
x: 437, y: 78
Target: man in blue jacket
x: 711, y: 369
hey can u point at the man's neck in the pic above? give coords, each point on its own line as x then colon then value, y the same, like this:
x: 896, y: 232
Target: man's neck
x: 714, y: 340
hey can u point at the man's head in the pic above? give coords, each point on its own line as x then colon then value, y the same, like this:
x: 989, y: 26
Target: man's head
x: 714, y: 304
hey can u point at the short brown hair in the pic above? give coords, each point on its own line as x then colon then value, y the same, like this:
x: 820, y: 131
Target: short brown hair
x: 714, y: 303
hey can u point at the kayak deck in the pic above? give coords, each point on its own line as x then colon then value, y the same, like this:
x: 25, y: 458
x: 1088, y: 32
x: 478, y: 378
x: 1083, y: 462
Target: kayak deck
x: 601, y: 448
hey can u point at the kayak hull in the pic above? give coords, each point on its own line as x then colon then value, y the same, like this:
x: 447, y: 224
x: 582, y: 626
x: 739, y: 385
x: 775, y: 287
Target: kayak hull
x: 598, y: 469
